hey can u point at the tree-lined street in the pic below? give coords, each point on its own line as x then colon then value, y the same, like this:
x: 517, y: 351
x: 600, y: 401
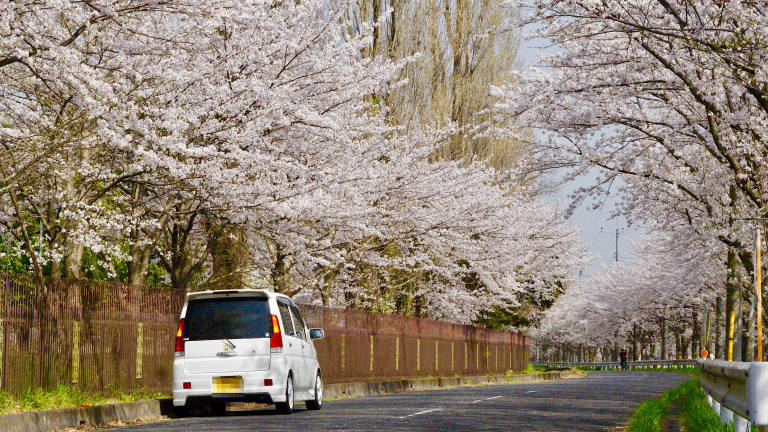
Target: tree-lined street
x: 385, y: 157
x: 597, y: 402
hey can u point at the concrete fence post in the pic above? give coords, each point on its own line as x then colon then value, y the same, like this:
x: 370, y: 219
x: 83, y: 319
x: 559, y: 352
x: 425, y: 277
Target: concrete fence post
x: 477, y: 356
x: 418, y: 354
x: 139, y: 350
x: 437, y: 351
x: 75, y: 352
x: 466, y: 355
x: 370, y: 338
x: 397, y: 353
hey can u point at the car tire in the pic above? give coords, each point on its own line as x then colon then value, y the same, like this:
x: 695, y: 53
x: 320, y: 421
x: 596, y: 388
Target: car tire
x: 218, y: 408
x: 287, y: 406
x: 180, y: 411
x: 317, y: 402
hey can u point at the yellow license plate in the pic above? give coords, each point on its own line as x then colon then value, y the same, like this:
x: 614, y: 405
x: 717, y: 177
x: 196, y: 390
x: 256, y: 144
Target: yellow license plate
x: 230, y: 384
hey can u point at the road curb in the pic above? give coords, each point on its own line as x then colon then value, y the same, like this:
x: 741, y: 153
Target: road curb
x: 359, y: 389
x: 55, y: 420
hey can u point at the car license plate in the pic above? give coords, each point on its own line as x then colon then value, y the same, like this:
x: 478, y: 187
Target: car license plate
x: 228, y: 384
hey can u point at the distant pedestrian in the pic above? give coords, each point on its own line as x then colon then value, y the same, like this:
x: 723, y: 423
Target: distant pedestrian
x: 623, y: 357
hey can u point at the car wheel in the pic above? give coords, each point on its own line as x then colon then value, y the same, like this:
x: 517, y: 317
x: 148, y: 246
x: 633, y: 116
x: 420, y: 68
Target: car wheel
x: 218, y: 407
x: 317, y: 402
x: 180, y: 411
x: 287, y: 406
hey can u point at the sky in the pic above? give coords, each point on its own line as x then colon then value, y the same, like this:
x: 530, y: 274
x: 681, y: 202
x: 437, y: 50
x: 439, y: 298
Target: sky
x: 598, y: 228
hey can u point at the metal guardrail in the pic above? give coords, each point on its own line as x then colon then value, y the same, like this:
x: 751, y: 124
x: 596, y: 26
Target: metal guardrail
x: 737, y: 392
x: 656, y: 364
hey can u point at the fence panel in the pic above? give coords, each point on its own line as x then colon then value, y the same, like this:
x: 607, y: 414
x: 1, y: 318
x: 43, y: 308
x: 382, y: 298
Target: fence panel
x: 97, y: 336
x: 401, y: 347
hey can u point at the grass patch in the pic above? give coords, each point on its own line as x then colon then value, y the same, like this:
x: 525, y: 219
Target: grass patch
x: 693, y: 370
x: 694, y: 412
x: 543, y: 368
x: 650, y: 415
x: 65, y: 397
x: 538, y: 370
x: 529, y: 370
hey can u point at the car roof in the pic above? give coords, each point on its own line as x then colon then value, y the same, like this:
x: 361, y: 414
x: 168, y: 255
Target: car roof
x: 235, y: 293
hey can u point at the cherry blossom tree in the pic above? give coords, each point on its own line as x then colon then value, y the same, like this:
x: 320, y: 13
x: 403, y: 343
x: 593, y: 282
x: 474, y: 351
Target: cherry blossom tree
x: 669, y: 97
x: 246, y: 143
x: 661, y: 294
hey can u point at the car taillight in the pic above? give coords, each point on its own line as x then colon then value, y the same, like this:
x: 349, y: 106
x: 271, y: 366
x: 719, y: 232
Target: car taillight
x: 180, y: 339
x: 276, y: 341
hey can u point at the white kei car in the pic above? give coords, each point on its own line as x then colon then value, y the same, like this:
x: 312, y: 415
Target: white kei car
x: 245, y: 345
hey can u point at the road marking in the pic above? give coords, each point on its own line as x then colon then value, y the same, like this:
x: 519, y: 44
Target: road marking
x: 421, y: 412
x: 531, y: 391
x: 480, y: 400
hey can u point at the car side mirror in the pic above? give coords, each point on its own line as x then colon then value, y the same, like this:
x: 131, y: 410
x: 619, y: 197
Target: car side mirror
x: 316, y: 333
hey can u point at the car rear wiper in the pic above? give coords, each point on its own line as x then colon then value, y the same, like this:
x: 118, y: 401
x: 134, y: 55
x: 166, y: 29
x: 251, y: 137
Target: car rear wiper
x: 229, y: 342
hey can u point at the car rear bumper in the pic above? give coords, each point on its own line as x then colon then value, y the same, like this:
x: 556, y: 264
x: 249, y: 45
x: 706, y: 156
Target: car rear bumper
x: 264, y: 398
x: 254, y: 389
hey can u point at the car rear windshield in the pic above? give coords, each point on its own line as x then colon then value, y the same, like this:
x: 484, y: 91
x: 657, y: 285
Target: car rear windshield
x: 227, y: 318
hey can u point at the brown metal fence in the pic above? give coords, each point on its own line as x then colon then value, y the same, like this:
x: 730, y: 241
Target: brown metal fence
x: 109, y: 337
x: 99, y: 336
x: 364, y: 346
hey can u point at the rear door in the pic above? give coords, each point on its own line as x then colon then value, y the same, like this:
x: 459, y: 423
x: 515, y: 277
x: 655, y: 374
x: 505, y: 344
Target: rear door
x: 291, y: 344
x: 227, y: 335
x: 306, y: 348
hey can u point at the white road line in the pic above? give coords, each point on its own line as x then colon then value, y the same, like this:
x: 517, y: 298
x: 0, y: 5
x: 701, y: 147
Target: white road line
x: 480, y: 400
x: 421, y: 412
x: 531, y: 391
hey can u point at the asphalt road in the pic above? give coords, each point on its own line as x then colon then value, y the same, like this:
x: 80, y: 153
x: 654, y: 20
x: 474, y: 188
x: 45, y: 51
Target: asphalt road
x: 594, y: 403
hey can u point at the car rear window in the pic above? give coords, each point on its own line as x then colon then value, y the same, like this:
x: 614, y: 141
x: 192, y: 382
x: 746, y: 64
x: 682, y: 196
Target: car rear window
x: 227, y: 318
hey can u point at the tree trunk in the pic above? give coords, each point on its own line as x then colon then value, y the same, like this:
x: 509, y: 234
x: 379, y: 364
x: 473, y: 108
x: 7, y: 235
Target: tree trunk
x: 73, y: 259
x: 748, y: 337
x: 634, y: 343
x: 139, y: 265
x: 695, y: 335
x: 229, y: 254
x: 704, y: 332
x: 280, y: 272
x: 718, y: 328
x: 732, y: 311
x: 663, y: 341
x: 55, y: 269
